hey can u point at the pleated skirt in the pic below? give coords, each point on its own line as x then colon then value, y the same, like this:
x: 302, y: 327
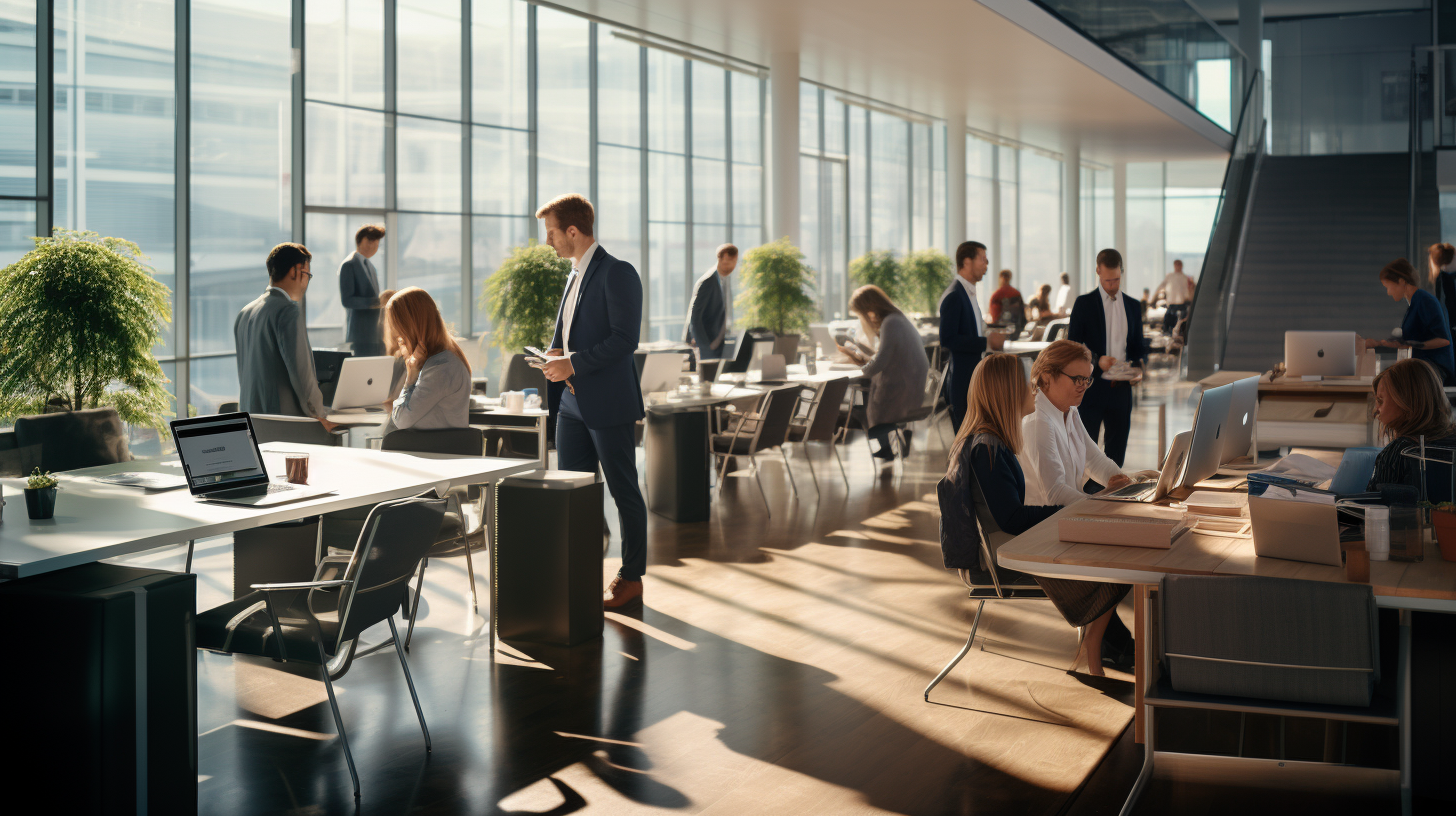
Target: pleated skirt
x: 1082, y: 602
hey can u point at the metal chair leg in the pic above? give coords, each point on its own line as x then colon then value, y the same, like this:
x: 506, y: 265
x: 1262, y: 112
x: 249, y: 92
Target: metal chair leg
x: 792, y: 484
x: 1147, y: 770
x: 470, y: 565
x: 190, y: 544
x: 804, y: 446
x: 975, y: 624
x: 403, y: 664
x: 835, y: 448
x: 415, y: 606
x: 338, y: 718
x: 759, y: 480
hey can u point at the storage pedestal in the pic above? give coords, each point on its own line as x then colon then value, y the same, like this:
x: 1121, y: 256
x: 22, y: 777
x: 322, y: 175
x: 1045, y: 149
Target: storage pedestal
x: 548, y: 558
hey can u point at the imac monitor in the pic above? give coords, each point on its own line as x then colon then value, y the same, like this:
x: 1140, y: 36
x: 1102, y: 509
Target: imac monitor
x: 1205, y: 448
x: 1324, y: 353
x: 363, y: 381
x: 1238, y: 432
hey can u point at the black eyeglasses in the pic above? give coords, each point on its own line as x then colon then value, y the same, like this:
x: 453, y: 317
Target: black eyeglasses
x: 1079, y: 382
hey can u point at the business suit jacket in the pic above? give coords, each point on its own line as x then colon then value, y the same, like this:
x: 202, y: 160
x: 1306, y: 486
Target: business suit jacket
x: 1088, y: 326
x: 275, y: 364
x: 359, y: 292
x: 708, y: 315
x: 604, y: 331
x: 959, y: 335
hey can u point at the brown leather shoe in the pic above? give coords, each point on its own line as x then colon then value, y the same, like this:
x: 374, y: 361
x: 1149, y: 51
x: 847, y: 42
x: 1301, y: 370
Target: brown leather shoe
x: 622, y: 592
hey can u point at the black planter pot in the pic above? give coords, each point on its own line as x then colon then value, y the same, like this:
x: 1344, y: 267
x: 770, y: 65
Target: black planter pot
x: 41, y: 503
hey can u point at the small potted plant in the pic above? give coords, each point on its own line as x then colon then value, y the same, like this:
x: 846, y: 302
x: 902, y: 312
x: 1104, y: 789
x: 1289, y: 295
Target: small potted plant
x: 1443, y: 519
x: 40, y: 494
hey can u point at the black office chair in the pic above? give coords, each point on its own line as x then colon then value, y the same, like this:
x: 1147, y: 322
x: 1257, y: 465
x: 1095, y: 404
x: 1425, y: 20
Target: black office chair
x: 755, y: 432
x: 819, y: 422
x: 455, y: 529
x: 70, y: 440
x: 227, y: 408
x: 318, y: 621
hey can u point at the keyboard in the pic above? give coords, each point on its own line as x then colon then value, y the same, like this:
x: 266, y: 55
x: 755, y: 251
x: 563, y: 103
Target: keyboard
x: 1136, y: 490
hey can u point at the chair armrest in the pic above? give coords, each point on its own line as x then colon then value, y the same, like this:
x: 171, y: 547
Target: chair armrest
x: 301, y: 585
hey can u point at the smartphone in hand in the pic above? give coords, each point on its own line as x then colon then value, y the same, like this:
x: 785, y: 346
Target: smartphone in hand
x: 535, y: 357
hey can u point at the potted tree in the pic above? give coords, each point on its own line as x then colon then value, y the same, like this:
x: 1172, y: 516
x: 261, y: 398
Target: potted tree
x: 924, y: 275
x: 40, y: 494
x: 878, y: 268
x: 777, y: 292
x: 522, y: 297
x: 79, y: 317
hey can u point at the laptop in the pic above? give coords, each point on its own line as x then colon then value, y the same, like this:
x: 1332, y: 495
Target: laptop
x: 1151, y: 491
x: 1205, y: 449
x: 1319, y: 353
x: 1238, y: 433
x: 661, y: 371
x: 363, y: 385
x: 222, y: 463
x: 824, y: 338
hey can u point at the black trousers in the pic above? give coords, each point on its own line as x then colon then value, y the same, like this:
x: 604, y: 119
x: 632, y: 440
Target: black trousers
x: 1108, y: 405
x: 581, y: 449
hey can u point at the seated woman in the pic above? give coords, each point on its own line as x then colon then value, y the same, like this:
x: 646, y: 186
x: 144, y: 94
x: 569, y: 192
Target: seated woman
x: 1411, y: 404
x: 1041, y: 305
x: 985, y: 450
x: 896, y: 370
x: 1425, y: 329
x: 1059, y: 456
x: 437, y: 376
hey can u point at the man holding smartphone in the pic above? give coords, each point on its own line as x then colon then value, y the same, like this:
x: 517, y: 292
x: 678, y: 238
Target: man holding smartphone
x: 591, y: 354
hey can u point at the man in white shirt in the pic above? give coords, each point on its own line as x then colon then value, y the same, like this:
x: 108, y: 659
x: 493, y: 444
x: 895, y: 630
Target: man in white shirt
x: 1178, y: 288
x: 1109, y: 323
x: 1063, y: 293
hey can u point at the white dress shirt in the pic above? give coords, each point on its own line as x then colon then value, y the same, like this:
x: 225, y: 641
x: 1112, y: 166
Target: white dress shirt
x: 1116, y: 316
x: 971, y: 293
x: 1062, y: 295
x: 1176, y: 287
x: 573, y: 294
x: 1057, y: 456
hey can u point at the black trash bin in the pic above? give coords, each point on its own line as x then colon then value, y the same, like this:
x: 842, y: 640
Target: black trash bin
x: 548, y: 557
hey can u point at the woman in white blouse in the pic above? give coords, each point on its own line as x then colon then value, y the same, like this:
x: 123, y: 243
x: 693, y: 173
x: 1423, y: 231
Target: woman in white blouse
x: 1057, y: 455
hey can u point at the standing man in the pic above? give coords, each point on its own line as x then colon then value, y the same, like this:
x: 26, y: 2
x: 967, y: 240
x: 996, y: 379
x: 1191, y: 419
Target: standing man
x: 1178, y: 288
x: 708, y: 315
x: 359, y: 291
x: 962, y: 331
x: 1108, y: 322
x: 275, y: 364
x: 591, y: 353
x: 1064, y: 292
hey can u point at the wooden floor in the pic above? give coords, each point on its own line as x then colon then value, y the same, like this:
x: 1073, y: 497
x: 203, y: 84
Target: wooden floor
x: 776, y: 668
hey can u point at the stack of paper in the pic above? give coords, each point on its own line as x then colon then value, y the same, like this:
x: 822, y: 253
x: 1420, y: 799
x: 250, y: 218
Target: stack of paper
x: 1294, y: 470
x: 1125, y: 524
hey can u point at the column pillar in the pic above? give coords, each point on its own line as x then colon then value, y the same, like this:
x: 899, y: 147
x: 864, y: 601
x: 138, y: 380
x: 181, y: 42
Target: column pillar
x: 783, y: 89
x: 1074, y: 264
x: 1251, y: 42
x: 1119, y: 210
x: 955, y: 178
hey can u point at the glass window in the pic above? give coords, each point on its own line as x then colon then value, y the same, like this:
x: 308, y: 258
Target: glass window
x: 938, y: 214
x: 890, y: 180
x: 491, y: 239
x: 619, y: 208
x: 115, y: 127
x: 427, y: 58
x: 619, y: 90
x: 710, y: 191
x: 666, y: 75
x: 17, y: 104
x: 344, y: 156
x: 428, y: 162
x: 429, y: 257
x: 808, y: 117
x: 710, y: 111
x: 834, y: 119
x: 17, y: 225
x: 241, y: 202
x: 501, y: 183
x: 747, y: 118
x: 344, y: 49
x: 747, y: 205
x: 810, y: 241
x: 1144, y: 255
x: 980, y: 192
x: 1007, y: 255
x: 330, y: 239
x: 214, y: 380
x: 563, y: 112
x: 920, y: 178
x: 859, y: 165
x: 667, y: 254
x: 745, y: 98
x: 498, y: 62
x: 1041, y: 222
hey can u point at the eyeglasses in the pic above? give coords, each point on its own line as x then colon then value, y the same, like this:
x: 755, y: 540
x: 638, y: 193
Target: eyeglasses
x: 1078, y: 382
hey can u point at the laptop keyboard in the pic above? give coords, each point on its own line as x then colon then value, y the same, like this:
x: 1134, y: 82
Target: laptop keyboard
x: 1134, y: 490
x: 280, y: 487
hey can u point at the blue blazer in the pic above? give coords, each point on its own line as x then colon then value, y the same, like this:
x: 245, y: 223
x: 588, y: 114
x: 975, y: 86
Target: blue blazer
x: 604, y: 332
x: 359, y: 293
x: 707, y: 315
x: 959, y: 335
x: 1088, y: 326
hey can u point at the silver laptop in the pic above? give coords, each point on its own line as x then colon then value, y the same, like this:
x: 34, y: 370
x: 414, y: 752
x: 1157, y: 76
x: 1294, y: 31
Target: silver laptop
x: 1205, y: 449
x: 660, y: 372
x: 1238, y: 431
x: 1154, y: 491
x: 222, y: 463
x: 1326, y: 353
x: 363, y: 383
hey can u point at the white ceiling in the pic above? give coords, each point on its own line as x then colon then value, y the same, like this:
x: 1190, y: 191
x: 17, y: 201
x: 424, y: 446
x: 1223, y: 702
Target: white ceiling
x: 930, y: 56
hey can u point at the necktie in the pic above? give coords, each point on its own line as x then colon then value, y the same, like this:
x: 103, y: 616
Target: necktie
x: 570, y: 310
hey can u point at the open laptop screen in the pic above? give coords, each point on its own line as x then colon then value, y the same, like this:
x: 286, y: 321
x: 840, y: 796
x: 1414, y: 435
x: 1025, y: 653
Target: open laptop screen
x: 220, y: 452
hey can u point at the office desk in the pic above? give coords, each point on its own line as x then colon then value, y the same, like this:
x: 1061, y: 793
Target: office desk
x: 1332, y: 414
x: 1025, y: 348
x: 482, y: 416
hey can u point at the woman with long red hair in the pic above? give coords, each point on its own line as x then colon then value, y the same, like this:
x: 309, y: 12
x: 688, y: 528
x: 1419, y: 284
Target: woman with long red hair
x: 437, y: 376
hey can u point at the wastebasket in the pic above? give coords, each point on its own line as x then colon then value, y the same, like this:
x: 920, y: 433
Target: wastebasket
x: 548, y: 557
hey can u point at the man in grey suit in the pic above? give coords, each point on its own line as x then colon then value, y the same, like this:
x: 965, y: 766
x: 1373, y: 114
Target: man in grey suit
x: 359, y: 291
x: 708, y: 315
x: 275, y: 363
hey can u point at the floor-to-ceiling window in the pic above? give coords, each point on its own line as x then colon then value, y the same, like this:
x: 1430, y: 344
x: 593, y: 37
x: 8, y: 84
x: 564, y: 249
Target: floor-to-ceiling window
x: 19, y: 195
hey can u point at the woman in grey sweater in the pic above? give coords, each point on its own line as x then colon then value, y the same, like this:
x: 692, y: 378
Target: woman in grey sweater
x: 437, y: 377
x: 896, y: 369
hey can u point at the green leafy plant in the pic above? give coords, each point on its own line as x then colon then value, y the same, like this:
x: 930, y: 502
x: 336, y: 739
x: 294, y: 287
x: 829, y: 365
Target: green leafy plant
x: 41, y: 481
x: 523, y: 295
x: 877, y: 268
x: 778, y: 287
x: 79, y: 316
x: 924, y: 275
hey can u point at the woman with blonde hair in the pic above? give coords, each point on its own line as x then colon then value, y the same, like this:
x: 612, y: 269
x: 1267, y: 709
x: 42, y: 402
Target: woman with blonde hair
x: 1059, y: 456
x: 896, y: 369
x: 1425, y: 329
x: 1412, y: 406
x: 437, y: 376
x: 984, y: 454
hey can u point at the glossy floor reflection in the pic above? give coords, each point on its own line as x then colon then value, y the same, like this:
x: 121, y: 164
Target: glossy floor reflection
x: 777, y: 667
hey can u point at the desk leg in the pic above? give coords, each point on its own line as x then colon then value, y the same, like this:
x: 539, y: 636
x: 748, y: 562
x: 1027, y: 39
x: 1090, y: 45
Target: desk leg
x: 541, y: 441
x: 678, y: 462
x: 1403, y: 696
x: 1142, y: 659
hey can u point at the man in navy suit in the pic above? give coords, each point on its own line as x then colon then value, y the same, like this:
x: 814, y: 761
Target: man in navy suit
x: 708, y: 315
x: 597, y: 327
x: 962, y: 331
x: 359, y: 292
x: 1110, y: 324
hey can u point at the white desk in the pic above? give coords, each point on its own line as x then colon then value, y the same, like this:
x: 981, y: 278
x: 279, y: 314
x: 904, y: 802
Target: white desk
x: 478, y: 410
x: 94, y: 520
x: 1025, y: 347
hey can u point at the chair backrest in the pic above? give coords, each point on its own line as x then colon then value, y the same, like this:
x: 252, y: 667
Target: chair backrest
x: 396, y: 535
x: 788, y: 346
x: 301, y: 430
x: 227, y: 408
x: 1276, y: 638
x: 1055, y: 331
x: 822, y: 421
x: 934, y: 385
x: 778, y: 413
x: 966, y: 530
x: 68, y: 440
x: 458, y: 441
x: 520, y: 375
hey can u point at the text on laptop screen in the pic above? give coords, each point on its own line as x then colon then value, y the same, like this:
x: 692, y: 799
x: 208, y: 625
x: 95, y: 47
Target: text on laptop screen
x: 218, y: 452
